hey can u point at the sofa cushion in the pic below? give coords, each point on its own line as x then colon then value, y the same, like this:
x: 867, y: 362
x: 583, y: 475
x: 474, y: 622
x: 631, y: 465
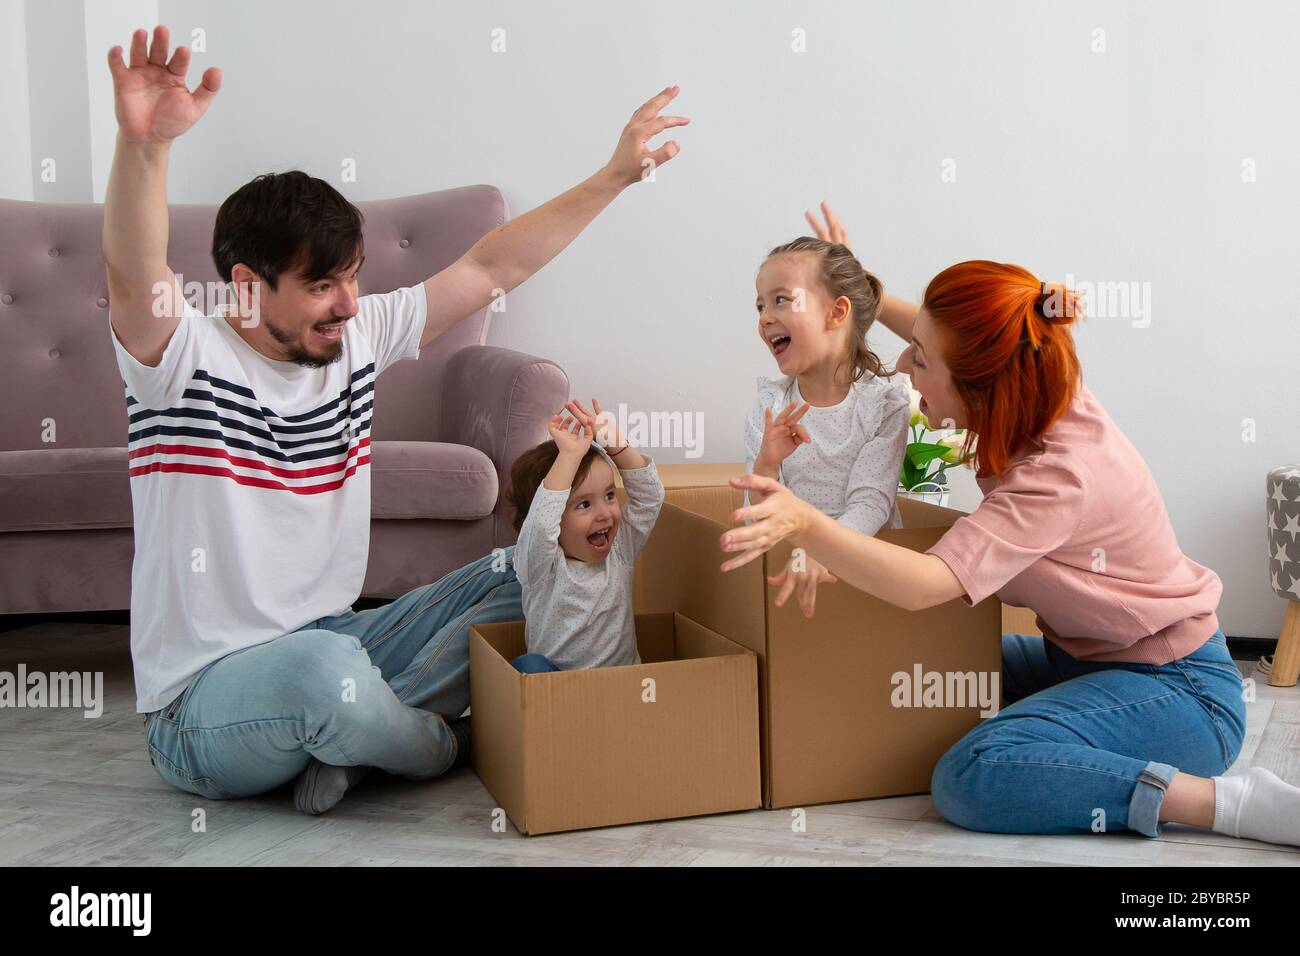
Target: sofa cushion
x: 64, y: 489
x: 429, y: 479
x: 68, y: 489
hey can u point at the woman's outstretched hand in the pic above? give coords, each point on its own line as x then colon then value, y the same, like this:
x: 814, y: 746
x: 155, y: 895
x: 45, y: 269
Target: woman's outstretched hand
x: 777, y: 517
x: 830, y: 231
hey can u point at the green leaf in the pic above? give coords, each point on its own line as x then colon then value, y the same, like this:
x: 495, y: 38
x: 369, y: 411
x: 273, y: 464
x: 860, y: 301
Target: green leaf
x: 922, y: 453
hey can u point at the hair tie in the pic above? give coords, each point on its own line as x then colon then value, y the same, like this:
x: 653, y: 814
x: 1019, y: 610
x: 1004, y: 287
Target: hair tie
x: 1040, y: 305
x: 1066, y: 308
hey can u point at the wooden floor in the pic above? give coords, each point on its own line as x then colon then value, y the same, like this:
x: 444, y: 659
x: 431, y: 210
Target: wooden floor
x: 79, y: 791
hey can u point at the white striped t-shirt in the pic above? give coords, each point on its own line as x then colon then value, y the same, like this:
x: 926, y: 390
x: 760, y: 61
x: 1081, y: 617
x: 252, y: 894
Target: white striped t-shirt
x: 250, y: 486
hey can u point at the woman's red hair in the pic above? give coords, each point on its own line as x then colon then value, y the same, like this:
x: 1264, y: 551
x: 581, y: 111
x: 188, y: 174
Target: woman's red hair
x: 1005, y: 339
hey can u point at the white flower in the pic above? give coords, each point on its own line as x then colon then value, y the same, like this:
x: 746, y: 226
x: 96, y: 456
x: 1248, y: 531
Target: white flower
x: 916, y: 417
x: 954, y: 442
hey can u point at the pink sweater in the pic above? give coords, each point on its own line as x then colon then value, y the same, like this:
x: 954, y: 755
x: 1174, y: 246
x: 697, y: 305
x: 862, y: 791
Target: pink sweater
x: 1076, y: 529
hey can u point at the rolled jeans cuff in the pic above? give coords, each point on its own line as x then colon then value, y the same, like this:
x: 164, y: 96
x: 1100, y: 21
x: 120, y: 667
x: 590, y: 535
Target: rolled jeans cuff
x: 1144, y: 808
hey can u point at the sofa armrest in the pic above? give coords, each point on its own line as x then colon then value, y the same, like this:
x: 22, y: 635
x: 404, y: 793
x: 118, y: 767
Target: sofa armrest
x: 499, y: 401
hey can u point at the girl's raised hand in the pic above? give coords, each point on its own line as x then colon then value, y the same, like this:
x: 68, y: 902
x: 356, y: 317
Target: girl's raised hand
x: 600, y: 425
x: 569, y: 435
x: 783, y: 434
x: 832, y: 231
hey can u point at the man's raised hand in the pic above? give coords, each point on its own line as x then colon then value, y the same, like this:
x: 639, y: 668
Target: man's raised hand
x: 150, y: 98
x: 633, y: 160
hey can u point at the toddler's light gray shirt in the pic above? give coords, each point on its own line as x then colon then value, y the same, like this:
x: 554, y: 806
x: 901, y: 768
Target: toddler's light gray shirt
x: 578, y: 614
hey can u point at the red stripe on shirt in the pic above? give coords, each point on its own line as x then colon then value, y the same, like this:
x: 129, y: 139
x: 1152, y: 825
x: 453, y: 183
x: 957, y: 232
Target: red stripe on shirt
x: 219, y: 472
x: 205, y: 451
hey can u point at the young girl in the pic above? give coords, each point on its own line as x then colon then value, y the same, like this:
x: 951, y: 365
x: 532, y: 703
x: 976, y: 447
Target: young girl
x: 576, y: 546
x: 829, y: 427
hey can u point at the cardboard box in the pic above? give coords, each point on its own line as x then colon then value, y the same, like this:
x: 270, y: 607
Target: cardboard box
x: 673, y: 736
x: 679, y: 476
x: 699, y: 474
x: 830, y: 727
x: 1019, y: 620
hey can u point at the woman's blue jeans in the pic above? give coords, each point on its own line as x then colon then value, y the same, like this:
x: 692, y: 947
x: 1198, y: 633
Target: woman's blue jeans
x: 1091, y: 746
x: 368, y: 688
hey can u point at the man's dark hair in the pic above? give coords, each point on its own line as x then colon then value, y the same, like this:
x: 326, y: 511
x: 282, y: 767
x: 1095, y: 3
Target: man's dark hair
x: 287, y: 221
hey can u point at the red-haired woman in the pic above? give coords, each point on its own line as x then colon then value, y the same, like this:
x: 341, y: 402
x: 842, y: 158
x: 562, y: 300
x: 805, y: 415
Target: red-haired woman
x: 1127, y: 713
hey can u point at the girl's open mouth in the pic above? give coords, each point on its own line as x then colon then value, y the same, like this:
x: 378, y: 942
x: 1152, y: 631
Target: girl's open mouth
x: 599, y: 540
x: 780, y: 344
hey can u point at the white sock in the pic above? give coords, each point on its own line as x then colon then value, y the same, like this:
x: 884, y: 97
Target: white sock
x: 1257, y: 805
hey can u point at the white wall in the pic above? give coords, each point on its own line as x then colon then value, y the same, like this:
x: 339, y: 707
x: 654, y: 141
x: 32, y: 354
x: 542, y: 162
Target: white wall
x: 109, y: 25
x: 1122, y: 165
x: 15, y: 115
x: 57, y: 101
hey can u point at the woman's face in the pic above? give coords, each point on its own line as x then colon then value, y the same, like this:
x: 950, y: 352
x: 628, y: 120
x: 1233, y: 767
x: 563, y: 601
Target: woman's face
x: 922, y: 360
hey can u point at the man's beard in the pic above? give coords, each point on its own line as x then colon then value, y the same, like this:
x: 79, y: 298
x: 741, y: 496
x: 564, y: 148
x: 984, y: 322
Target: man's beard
x: 299, y: 355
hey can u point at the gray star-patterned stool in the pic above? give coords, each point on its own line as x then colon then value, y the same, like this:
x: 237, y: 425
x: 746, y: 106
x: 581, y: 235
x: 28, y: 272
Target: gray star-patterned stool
x: 1283, y: 508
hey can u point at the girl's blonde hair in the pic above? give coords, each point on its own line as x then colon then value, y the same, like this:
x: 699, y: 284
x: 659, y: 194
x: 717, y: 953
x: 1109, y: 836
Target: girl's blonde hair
x: 843, y: 275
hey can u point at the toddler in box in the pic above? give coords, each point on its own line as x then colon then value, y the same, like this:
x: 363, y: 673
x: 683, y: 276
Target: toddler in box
x: 576, y: 547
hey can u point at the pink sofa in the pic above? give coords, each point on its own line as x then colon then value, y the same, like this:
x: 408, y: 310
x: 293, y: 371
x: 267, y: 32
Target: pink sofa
x: 447, y: 430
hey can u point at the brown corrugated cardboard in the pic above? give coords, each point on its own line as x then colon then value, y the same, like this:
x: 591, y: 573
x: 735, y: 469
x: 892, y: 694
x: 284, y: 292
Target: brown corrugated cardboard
x: 673, y: 736
x: 718, y: 504
x: 699, y: 474
x: 828, y: 685
x: 1019, y: 620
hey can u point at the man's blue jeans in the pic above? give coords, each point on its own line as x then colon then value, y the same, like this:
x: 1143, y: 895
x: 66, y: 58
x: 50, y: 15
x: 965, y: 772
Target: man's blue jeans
x: 368, y: 688
x: 1086, y: 746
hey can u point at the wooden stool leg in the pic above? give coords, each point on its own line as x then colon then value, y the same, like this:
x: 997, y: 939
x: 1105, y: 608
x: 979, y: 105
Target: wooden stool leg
x: 1286, y: 662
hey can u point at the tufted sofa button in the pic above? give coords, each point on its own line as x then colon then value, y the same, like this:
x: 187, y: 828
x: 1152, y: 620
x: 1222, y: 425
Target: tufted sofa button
x: 54, y: 253
x: 7, y: 299
x: 55, y: 353
x: 404, y: 243
x: 101, y: 302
